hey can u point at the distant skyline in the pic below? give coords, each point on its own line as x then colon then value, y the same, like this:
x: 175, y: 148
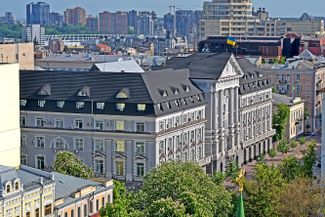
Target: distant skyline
x: 277, y: 8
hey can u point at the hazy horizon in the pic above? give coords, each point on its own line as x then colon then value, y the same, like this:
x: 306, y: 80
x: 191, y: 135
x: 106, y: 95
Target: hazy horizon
x: 277, y: 8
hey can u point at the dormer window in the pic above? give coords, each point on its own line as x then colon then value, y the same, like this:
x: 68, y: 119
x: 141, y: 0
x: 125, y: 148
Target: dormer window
x: 23, y: 102
x: 159, y: 107
x: 199, y: 98
x: 187, y: 89
x: 60, y: 104
x: 84, y: 92
x: 192, y: 100
x: 168, y: 105
x: 141, y: 107
x: 100, y: 105
x: 45, y: 90
x: 41, y: 103
x: 8, y: 188
x: 80, y: 105
x: 17, y: 186
x: 183, y: 101
x: 120, y: 106
x: 177, y: 103
x: 165, y: 94
x: 123, y: 94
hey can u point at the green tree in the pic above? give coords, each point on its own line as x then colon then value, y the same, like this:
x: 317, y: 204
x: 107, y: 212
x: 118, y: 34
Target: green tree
x: 293, y: 144
x: 302, y: 140
x: 10, y: 30
x: 283, y: 146
x: 232, y: 171
x: 183, y: 182
x: 272, y: 153
x: 300, y: 198
x: 219, y: 177
x: 166, y: 208
x: 290, y: 168
x: 69, y: 164
x: 262, y: 193
x: 279, y: 121
x: 309, y: 160
x: 119, y: 207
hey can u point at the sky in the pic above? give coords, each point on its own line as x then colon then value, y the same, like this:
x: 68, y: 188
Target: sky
x: 277, y: 8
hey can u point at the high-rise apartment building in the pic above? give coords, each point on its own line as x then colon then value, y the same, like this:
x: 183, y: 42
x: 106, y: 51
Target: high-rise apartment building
x: 75, y: 16
x: 38, y: 13
x: 113, y: 23
x: 92, y: 23
x: 145, y: 23
x: 56, y: 19
x: 35, y: 33
x: 227, y: 17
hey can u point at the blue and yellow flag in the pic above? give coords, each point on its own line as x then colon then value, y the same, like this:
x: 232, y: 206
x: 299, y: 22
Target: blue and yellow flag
x: 231, y: 40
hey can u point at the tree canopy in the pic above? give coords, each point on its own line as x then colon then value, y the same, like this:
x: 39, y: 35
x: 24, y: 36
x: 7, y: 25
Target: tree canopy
x: 69, y: 164
x: 279, y: 121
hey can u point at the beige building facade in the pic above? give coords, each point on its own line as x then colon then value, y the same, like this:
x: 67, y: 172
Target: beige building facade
x: 295, y: 124
x: 9, y: 123
x: 19, y: 52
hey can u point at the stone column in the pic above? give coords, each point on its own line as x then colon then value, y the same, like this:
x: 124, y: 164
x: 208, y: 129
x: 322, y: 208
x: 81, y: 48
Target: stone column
x: 221, y: 117
x: 231, y: 107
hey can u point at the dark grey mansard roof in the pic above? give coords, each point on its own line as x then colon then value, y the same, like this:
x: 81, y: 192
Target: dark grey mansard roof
x: 29, y: 178
x: 201, y: 65
x: 253, y: 79
x: 150, y: 88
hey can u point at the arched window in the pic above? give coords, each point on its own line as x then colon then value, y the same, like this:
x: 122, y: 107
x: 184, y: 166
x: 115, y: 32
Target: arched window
x: 8, y: 188
x: 16, y: 185
x: 122, y: 95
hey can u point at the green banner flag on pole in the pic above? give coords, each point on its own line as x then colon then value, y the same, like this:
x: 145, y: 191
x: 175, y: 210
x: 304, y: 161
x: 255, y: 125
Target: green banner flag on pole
x: 240, y: 207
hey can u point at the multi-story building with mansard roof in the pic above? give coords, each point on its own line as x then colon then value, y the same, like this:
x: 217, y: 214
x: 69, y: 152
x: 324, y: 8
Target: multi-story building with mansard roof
x: 120, y: 124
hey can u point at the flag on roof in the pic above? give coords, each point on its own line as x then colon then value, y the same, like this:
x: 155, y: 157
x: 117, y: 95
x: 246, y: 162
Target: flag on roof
x: 231, y: 40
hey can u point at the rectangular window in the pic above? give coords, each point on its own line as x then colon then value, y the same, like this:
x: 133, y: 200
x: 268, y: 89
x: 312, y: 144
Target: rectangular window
x: 40, y: 141
x: 60, y: 104
x: 37, y: 212
x: 39, y: 122
x: 23, y: 140
x: 120, y: 106
x: 59, y: 123
x: 119, y: 168
x: 40, y: 162
x: 59, y: 143
x: 99, y: 166
x: 80, y: 105
x: 140, y: 127
x: 120, y: 125
x: 100, y: 105
x: 48, y: 209
x: 141, y: 107
x: 120, y: 146
x: 23, y: 160
x: 23, y: 102
x: 79, y: 144
x: 140, y: 147
x: 41, y: 103
x: 140, y: 169
x: 78, y: 124
x: 298, y: 77
x: 162, y: 125
x: 22, y: 121
x: 99, y: 145
x: 99, y: 125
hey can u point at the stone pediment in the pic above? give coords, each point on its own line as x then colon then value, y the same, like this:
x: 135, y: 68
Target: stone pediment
x: 231, y: 69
